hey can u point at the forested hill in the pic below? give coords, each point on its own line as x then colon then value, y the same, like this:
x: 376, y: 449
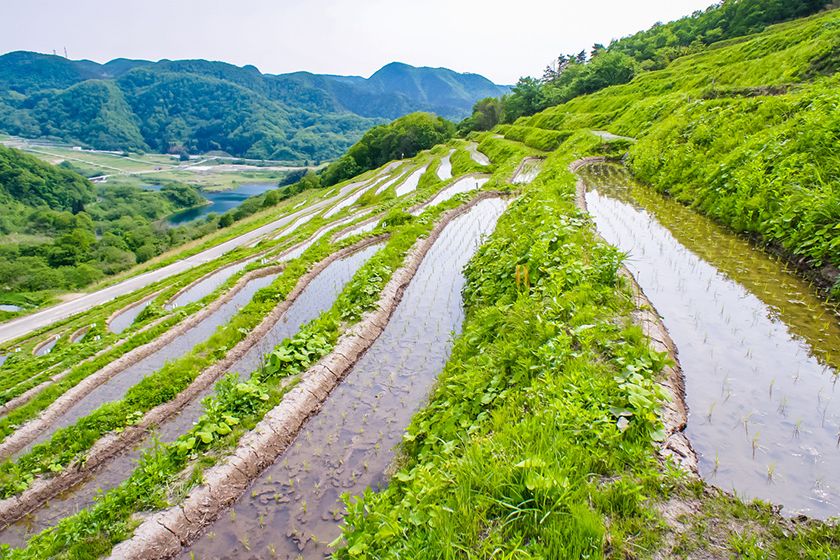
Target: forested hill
x: 199, y: 106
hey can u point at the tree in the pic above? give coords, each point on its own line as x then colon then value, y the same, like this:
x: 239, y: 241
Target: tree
x: 225, y: 220
x: 526, y: 98
x: 487, y: 113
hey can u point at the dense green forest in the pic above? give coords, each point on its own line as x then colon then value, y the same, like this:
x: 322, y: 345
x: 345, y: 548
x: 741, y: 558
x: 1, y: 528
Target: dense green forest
x: 58, y: 231
x: 572, y: 75
x: 400, y: 139
x: 197, y: 106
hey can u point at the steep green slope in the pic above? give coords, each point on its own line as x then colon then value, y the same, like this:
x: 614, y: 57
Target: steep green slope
x: 26, y: 180
x: 402, y: 138
x: 745, y: 132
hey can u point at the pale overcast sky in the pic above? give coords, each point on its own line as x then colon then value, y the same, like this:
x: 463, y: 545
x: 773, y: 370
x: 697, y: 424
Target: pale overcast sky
x: 501, y: 39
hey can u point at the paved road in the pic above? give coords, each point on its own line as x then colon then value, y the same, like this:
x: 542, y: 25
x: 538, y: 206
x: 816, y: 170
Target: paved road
x: 23, y: 325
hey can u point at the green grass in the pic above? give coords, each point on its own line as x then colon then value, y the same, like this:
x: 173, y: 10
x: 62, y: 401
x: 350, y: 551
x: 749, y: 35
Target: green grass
x: 236, y: 407
x: 744, y: 132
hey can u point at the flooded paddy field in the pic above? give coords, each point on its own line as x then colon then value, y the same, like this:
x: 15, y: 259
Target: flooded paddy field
x: 293, y: 509
x: 318, y: 296
x: 444, y: 170
x: 527, y: 171
x: 759, y: 350
x: 116, y: 387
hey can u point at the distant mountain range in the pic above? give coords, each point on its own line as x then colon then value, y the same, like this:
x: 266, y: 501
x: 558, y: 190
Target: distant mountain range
x: 199, y: 106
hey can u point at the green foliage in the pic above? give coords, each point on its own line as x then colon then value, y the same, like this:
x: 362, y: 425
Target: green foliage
x: 572, y: 76
x: 28, y: 180
x: 661, y: 44
x: 522, y: 420
x: 487, y: 113
x: 402, y: 138
x: 753, y: 151
x: 295, y: 354
x: 192, y: 106
x: 538, y: 138
x: 66, y: 233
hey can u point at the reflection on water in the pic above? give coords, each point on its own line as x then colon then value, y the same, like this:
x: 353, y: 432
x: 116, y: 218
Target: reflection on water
x: 318, y: 297
x: 115, y: 388
x: 125, y: 319
x: 220, y: 202
x: 294, y: 508
x: 527, y: 172
x: 759, y: 350
x: 444, y: 171
x: 463, y: 185
x: 208, y: 285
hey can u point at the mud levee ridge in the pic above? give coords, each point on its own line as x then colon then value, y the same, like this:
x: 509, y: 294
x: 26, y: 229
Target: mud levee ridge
x: 43, y: 489
x: 163, y: 535
x: 674, y: 412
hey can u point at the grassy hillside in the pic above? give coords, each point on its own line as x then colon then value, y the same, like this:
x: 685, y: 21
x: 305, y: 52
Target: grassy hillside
x: 518, y: 453
x: 400, y: 139
x: 199, y: 106
x: 745, y: 132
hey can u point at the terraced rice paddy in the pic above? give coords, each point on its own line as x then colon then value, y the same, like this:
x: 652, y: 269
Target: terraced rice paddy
x: 293, y: 509
x: 758, y: 349
x: 313, y: 300
x: 116, y: 387
x: 308, y: 344
x: 80, y: 402
x: 476, y: 155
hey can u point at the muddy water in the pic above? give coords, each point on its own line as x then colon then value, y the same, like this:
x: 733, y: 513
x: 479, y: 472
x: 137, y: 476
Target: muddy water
x: 758, y: 349
x: 293, y: 509
x: 206, y: 286
x: 444, y: 170
x: 527, y: 172
x: 318, y: 297
x: 116, y: 387
x: 477, y: 156
x: 125, y: 319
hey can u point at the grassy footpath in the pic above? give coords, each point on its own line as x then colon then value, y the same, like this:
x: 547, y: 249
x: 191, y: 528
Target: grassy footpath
x: 522, y: 451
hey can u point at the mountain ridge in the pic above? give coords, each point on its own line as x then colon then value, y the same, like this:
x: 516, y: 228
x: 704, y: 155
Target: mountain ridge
x: 192, y: 105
